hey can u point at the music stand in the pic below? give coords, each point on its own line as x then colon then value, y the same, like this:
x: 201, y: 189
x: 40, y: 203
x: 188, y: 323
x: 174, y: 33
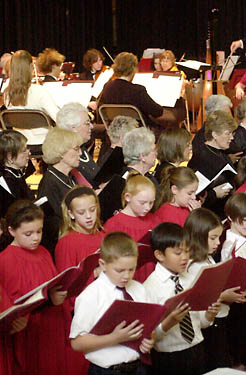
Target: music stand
x: 228, y: 67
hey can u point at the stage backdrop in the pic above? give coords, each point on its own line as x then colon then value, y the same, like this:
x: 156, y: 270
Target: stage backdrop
x: 72, y: 26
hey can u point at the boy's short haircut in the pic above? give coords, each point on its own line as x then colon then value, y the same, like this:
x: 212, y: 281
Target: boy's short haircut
x: 235, y: 207
x: 167, y: 235
x: 116, y: 245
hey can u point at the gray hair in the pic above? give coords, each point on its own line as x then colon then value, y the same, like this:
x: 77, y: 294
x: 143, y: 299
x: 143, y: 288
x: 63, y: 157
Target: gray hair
x: 217, y: 103
x: 137, y: 142
x: 241, y: 110
x: 120, y: 126
x: 70, y: 115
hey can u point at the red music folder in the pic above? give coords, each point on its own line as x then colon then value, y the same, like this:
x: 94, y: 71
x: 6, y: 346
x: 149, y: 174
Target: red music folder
x: 209, y: 283
x: 73, y: 279
x: 149, y: 314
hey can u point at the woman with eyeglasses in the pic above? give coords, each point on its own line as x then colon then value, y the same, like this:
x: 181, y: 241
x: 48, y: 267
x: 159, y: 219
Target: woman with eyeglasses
x: 211, y: 159
x: 61, y: 151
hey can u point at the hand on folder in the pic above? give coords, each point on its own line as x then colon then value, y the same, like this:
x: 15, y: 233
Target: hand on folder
x: 221, y: 191
x: 57, y: 295
x: 213, y: 310
x: 233, y: 295
x: 130, y: 332
x: 176, y: 316
x: 18, y: 324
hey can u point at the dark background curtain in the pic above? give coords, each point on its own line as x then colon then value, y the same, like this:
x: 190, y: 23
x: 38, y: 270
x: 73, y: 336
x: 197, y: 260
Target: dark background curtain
x: 179, y: 26
x: 73, y: 26
x: 70, y: 26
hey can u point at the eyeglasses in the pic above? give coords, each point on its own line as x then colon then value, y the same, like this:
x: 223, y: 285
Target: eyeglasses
x: 87, y: 123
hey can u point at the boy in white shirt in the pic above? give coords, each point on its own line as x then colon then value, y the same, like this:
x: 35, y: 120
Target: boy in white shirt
x: 118, y: 261
x: 178, y: 348
x: 234, y: 246
x: 235, y: 210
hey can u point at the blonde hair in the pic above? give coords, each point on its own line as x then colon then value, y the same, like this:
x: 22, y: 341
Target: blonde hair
x: 116, y: 245
x: 136, y: 183
x: 57, y: 142
x: 168, y: 54
x: 20, y: 78
x: 180, y: 177
x: 47, y: 58
x: 68, y: 224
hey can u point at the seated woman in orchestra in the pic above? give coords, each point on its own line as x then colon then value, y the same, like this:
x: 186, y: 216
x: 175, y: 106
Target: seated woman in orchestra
x: 168, y: 63
x: 61, y: 151
x: 123, y: 91
x: 92, y: 63
x: 173, y: 147
x: 155, y: 63
x: 22, y: 94
x: 211, y: 159
x: 49, y: 62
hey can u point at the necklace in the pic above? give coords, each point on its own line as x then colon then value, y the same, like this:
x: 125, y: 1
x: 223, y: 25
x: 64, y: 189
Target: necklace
x: 16, y: 175
x: 84, y: 157
x: 64, y: 183
x: 219, y: 154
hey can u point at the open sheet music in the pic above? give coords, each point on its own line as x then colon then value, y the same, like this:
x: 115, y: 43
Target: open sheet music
x: 164, y: 90
x: 73, y: 92
x: 204, y: 182
x: 100, y: 82
x: 228, y: 67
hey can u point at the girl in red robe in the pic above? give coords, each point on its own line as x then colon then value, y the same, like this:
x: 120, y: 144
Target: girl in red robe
x: 81, y: 231
x: 178, y: 195
x: 42, y: 348
x: 135, y: 218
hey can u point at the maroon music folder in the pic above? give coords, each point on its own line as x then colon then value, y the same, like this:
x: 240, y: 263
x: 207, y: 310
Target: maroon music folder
x: 209, y: 283
x: 149, y: 314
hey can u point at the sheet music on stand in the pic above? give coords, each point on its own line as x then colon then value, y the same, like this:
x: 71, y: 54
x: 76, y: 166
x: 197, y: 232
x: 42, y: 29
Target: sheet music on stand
x: 73, y: 92
x: 228, y: 67
x: 164, y: 90
x: 100, y: 82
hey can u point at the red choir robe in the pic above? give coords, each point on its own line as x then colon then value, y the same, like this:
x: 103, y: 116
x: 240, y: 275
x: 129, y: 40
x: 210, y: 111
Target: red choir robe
x: 43, y: 347
x: 138, y: 228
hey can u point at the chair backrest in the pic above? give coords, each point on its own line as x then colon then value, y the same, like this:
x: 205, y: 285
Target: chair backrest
x: 25, y: 119
x: 109, y: 111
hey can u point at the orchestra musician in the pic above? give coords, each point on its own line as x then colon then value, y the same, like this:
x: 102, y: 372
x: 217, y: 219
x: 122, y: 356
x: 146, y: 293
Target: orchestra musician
x: 155, y: 63
x: 122, y: 91
x: 168, y: 63
x: 93, y: 64
x: 49, y: 63
x: 21, y: 93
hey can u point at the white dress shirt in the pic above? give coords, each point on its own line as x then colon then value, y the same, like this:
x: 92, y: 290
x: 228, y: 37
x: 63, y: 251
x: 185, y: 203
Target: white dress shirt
x: 38, y: 97
x: 91, y: 304
x: 231, y: 239
x: 160, y: 287
x: 194, y: 268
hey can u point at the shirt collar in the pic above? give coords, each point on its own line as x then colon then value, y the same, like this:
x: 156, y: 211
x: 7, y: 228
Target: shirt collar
x: 107, y: 280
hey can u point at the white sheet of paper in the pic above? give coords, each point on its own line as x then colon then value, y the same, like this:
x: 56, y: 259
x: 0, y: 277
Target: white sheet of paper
x: 4, y: 185
x: 164, y: 90
x: 227, y: 167
x: 203, y: 182
x: 192, y: 64
x: 150, y: 52
x: 100, y: 82
x: 73, y: 92
x: 228, y: 68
